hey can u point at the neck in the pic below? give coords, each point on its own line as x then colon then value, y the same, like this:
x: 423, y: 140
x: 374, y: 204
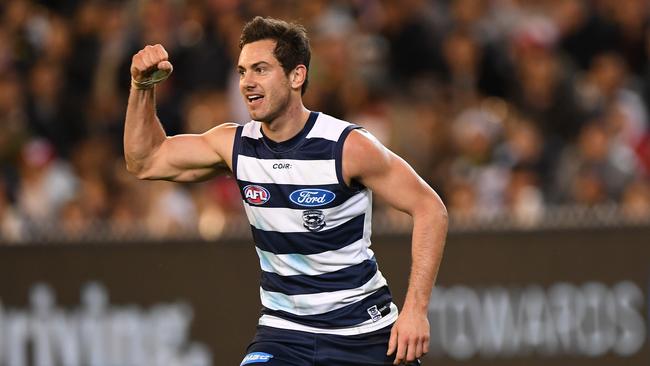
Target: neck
x: 288, y: 124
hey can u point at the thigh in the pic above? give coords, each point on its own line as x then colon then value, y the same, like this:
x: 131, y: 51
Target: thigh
x: 360, y: 350
x: 280, y: 347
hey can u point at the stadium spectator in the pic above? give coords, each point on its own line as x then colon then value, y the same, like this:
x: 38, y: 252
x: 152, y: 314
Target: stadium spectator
x: 47, y: 183
x: 547, y: 72
x: 636, y: 200
x: 11, y: 224
x: 597, y: 169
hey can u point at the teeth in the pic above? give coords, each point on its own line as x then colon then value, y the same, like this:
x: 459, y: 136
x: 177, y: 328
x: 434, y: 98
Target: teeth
x: 254, y: 97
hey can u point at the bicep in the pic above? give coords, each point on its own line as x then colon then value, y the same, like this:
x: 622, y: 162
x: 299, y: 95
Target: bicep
x: 194, y: 157
x: 189, y: 152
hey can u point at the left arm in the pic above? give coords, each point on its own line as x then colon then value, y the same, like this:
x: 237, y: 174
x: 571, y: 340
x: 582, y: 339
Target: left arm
x: 366, y: 160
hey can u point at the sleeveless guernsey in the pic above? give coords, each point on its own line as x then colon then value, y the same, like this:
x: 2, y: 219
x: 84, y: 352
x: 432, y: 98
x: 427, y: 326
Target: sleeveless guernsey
x: 311, y: 231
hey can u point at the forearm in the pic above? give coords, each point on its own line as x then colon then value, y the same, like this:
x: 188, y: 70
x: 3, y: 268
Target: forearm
x: 143, y: 133
x: 429, y: 233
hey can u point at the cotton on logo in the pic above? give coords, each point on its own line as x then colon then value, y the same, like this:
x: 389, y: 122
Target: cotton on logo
x: 256, y: 357
x: 256, y: 195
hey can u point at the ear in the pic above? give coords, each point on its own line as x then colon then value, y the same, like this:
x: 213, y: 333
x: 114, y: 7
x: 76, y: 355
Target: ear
x: 298, y: 77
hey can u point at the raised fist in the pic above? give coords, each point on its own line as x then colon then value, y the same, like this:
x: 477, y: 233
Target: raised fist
x: 151, y: 65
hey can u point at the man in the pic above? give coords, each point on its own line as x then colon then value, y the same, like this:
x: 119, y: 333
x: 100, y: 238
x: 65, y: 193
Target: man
x: 306, y: 180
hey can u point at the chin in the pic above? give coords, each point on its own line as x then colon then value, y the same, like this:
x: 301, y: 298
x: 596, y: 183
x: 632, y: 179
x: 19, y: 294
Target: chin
x: 256, y: 116
x: 253, y: 114
x: 260, y: 116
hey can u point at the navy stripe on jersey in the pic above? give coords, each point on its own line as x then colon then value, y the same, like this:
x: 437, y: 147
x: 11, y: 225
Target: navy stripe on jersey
x: 235, y: 148
x: 338, y: 154
x: 311, y: 149
x: 279, y: 194
x: 310, y: 242
x: 344, y: 279
x: 294, y: 142
x: 350, y: 315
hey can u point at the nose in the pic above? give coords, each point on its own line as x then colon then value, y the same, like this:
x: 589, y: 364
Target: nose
x: 247, y: 81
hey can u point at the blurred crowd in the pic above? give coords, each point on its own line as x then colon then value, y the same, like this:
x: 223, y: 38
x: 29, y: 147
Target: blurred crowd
x: 504, y: 106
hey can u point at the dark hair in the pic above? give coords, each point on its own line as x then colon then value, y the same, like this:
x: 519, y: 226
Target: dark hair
x: 291, y: 47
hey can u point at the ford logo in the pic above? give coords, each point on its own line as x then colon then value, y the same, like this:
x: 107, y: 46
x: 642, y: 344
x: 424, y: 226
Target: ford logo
x: 312, y: 197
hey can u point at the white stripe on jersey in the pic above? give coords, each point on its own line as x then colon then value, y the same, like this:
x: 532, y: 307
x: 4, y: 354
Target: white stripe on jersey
x: 301, y: 172
x: 252, y: 130
x: 365, y: 327
x: 315, y: 264
x: 367, y: 224
x: 288, y: 220
x: 323, y: 302
x: 328, y: 128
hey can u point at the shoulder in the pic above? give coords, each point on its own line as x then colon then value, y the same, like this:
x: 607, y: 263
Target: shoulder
x: 222, y: 131
x: 361, y: 143
x: 363, y: 154
x: 221, y: 138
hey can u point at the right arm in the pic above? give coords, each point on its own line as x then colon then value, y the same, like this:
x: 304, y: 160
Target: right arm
x: 149, y: 153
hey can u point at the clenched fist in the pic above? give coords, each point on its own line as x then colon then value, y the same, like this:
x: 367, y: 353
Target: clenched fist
x: 150, y: 66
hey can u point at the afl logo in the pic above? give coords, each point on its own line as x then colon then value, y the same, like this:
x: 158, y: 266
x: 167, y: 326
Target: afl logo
x: 256, y: 195
x: 312, y: 197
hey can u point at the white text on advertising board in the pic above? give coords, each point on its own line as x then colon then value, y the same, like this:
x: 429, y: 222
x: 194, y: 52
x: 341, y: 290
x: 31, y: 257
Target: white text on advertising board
x: 97, y: 333
x: 590, y: 320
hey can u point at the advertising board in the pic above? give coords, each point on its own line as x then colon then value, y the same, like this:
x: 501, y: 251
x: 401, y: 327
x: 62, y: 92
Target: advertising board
x: 521, y: 298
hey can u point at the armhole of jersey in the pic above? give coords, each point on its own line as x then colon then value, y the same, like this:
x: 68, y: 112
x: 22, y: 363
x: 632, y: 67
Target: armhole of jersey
x: 355, y: 186
x: 235, y: 149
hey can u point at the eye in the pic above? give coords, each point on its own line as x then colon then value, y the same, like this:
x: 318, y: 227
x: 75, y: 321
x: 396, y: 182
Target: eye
x: 260, y: 70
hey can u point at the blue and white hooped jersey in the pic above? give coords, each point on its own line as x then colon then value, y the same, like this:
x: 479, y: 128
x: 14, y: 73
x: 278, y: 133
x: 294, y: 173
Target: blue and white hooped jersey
x: 311, y: 231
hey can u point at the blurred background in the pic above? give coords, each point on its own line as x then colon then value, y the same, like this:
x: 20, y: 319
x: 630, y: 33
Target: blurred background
x: 528, y: 117
x: 511, y: 110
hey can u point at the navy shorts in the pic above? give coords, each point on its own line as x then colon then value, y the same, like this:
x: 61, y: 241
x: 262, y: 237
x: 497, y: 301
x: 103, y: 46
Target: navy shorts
x: 283, y: 347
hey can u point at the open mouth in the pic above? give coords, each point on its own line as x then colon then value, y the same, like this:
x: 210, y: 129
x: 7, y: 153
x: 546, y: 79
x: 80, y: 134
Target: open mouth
x: 254, y: 99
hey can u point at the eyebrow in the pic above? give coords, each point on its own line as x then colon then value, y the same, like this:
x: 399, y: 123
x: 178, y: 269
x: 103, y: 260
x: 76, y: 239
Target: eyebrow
x: 240, y: 67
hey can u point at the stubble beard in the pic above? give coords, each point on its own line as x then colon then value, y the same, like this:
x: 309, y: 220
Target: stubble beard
x: 274, y: 111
